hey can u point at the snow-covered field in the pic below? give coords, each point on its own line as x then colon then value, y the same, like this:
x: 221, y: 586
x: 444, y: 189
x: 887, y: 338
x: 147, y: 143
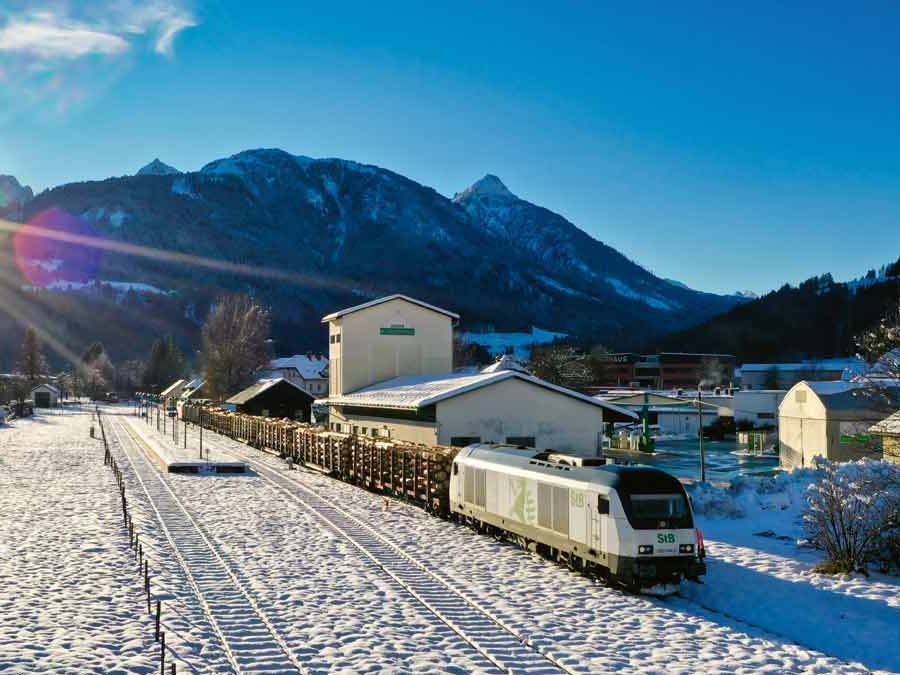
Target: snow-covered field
x: 339, y: 603
x: 70, y: 596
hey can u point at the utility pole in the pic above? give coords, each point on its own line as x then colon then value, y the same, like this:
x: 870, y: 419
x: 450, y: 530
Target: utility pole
x: 700, y: 420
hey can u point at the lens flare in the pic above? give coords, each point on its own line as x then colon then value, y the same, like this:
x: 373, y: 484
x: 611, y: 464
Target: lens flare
x: 45, y: 260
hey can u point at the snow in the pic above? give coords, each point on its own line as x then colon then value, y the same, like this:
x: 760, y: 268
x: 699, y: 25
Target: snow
x: 78, y: 604
x: 157, y: 168
x: 182, y: 186
x: 627, y: 291
x: 117, y: 217
x: 47, y: 265
x: 520, y: 343
x: 72, y: 600
x: 123, y: 286
x: 490, y: 185
x: 310, y: 366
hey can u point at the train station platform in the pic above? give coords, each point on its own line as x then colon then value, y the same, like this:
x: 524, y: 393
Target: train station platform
x: 173, y: 457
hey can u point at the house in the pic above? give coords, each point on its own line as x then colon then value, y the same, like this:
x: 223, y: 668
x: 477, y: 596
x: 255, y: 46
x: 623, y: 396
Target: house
x: 274, y: 398
x: 886, y: 435
x: 309, y: 371
x: 45, y: 396
x: 666, y: 370
x: 758, y: 406
x: 390, y: 367
x: 783, y: 376
x: 830, y: 420
x: 191, y: 391
x: 170, y: 395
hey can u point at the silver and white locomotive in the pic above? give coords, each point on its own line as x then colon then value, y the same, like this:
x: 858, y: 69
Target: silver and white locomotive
x: 633, y: 524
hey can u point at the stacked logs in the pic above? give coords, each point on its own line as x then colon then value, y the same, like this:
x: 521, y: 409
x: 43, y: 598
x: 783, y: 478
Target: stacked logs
x: 408, y: 470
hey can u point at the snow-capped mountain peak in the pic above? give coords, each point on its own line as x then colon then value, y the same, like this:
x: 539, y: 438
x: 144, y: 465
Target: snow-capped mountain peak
x: 13, y: 197
x: 489, y: 185
x: 158, y: 168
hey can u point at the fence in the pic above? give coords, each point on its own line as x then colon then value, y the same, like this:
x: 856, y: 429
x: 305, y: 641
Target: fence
x: 399, y: 468
x: 136, y: 546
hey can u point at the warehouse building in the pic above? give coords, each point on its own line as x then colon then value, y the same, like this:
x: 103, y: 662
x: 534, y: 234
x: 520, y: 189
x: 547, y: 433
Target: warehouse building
x: 783, y: 376
x: 667, y: 370
x: 758, y: 406
x: 886, y: 435
x: 273, y: 398
x: 390, y: 366
x: 830, y: 420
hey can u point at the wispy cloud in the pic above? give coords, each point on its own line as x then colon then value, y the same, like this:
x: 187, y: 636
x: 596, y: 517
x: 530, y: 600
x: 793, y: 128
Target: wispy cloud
x: 58, y: 55
x: 44, y: 35
x: 59, y: 32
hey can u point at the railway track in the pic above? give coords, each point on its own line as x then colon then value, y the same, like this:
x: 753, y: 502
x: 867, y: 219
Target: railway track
x: 498, y: 643
x: 249, y: 640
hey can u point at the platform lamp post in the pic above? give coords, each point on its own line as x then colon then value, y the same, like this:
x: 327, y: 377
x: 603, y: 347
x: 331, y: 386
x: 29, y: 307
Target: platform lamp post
x: 700, y: 422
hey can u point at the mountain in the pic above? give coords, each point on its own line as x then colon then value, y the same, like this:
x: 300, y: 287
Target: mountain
x: 818, y: 318
x: 157, y: 168
x: 307, y: 236
x: 13, y: 197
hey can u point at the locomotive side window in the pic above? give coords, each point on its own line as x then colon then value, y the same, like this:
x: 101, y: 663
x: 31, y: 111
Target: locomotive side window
x: 545, y: 505
x: 481, y: 487
x: 469, y: 486
x: 603, y: 505
x: 455, y: 469
x: 561, y: 509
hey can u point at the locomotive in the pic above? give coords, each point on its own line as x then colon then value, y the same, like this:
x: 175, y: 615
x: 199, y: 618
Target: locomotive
x: 630, y: 524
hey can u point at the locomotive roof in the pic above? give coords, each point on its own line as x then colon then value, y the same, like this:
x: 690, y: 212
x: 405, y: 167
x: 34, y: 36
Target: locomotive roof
x: 628, y: 478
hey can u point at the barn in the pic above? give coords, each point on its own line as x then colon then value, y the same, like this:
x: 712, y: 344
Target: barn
x: 830, y: 420
x: 274, y: 398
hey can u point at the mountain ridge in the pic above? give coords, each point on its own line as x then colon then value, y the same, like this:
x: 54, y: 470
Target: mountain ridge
x: 341, y: 230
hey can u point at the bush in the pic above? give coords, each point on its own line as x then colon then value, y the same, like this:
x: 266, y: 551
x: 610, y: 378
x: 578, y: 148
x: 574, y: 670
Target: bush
x: 853, y: 514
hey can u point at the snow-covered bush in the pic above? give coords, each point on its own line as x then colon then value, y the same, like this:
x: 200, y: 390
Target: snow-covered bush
x: 853, y: 513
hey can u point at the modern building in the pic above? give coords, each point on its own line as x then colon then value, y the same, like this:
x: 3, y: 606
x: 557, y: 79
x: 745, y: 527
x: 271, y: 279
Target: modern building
x: 886, y: 435
x: 667, y: 370
x: 45, y: 396
x: 759, y: 406
x: 674, y: 416
x: 829, y: 420
x: 390, y: 366
x: 274, y: 398
x: 785, y: 375
x: 309, y: 371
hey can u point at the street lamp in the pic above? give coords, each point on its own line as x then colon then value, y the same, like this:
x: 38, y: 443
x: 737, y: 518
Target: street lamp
x: 700, y: 421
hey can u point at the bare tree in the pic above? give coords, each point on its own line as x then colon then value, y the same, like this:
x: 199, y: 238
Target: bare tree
x: 879, y: 347
x: 32, y: 363
x: 562, y: 364
x: 235, y: 344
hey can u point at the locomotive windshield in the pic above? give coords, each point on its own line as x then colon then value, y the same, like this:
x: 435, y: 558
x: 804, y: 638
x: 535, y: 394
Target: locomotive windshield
x: 659, y: 507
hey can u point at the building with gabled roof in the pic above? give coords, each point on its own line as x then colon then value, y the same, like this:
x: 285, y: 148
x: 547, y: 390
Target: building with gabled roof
x: 309, y: 370
x: 276, y: 397
x: 391, y: 375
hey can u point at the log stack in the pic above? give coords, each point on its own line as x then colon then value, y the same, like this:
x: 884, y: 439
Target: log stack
x: 410, y: 471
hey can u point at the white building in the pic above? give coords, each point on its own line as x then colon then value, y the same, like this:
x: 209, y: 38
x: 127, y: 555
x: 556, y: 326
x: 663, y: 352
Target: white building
x: 391, y: 375
x: 828, y: 419
x: 308, y: 371
x: 783, y: 376
x: 759, y: 406
x: 45, y: 396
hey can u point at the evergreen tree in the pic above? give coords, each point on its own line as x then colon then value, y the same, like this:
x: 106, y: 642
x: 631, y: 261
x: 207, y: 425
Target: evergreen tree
x: 235, y: 345
x: 165, y: 365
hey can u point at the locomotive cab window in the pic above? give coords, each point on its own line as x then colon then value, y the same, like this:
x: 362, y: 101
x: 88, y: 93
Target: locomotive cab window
x: 659, y: 507
x: 603, y: 505
x: 455, y: 469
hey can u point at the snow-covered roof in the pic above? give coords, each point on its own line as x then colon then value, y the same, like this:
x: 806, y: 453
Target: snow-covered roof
x: 889, y: 426
x: 506, y: 362
x: 192, y: 388
x: 387, y: 298
x: 177, y: 385
x: 259, y: 387
x: 418, y: 391
x: 844, y: 363
x: 309, y: 366
x: 46, y: 385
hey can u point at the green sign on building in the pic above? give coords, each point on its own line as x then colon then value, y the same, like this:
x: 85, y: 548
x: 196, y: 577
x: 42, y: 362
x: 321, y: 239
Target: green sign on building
x: 397, y: 330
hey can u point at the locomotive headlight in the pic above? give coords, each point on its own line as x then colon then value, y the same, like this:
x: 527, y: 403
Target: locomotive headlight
x: 686, y: 548
x: 645, y: 549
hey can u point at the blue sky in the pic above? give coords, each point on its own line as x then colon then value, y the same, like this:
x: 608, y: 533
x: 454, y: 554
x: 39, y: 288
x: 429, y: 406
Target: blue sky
x: 729, y: 148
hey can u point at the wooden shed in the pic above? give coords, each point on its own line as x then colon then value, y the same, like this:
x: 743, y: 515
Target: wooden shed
x: 274, y: 398
x: 45, y: 396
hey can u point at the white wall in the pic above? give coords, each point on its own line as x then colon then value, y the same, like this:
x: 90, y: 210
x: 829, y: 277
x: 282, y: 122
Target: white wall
x: 514, y: 407
x: 365, y: 356
x: 748, y: 404
x: 404, y: 430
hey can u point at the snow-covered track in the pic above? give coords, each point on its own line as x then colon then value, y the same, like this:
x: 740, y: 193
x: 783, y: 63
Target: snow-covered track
x: 488, y: 635
x: 249, y: 640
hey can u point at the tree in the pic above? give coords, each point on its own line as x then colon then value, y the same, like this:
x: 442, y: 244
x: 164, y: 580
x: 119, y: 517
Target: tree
x: 771, y: 381
x: 467, y: 353
x: 130, y: 375
x: 96, y: 370
x: 561, y: 364
x: 32, y: 363
x: 879, y: 347
x: 235, y: 344
x: 165, y: 365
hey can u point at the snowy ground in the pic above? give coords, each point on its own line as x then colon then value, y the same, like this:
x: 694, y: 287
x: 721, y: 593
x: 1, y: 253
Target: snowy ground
x: 70, y: 597
x: 761, y: 610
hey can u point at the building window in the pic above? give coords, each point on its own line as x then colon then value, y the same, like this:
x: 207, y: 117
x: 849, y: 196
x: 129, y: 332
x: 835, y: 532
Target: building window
x: 800, y: 396
x: 527, y: 441
x: 365, y: 431
x: 331, y: 339
x: 355, y: 429
x: 374, y: 431
x: 463, y: 441
x: 337, y: 338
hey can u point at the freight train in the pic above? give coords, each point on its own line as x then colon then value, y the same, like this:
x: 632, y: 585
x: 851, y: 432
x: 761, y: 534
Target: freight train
x: 632, y: 525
